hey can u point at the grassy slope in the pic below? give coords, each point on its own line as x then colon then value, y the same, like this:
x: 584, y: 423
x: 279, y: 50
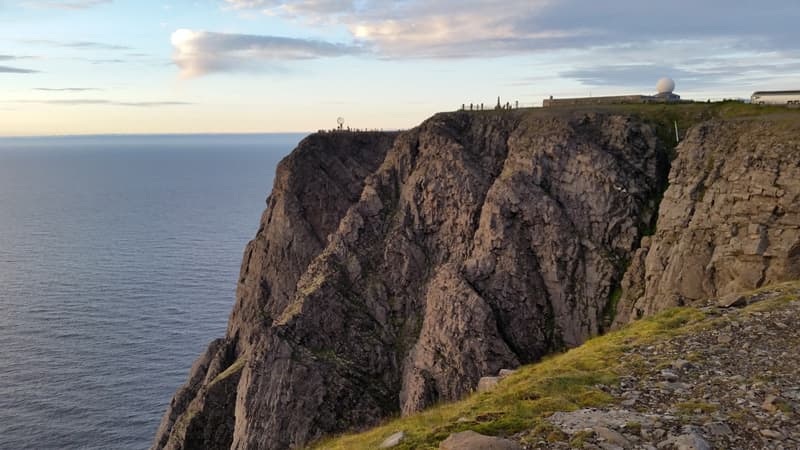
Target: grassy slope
x: 561, y: 382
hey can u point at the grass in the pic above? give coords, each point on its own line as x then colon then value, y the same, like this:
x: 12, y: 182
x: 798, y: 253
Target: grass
x: 695, y: 407
x: 232, y: 369
x: 610, y: 310
x: 579, y: 438
x: 562, y: 382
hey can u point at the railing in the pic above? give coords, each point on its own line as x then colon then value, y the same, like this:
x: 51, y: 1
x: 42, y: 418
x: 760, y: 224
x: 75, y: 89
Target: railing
x: 494, y: 107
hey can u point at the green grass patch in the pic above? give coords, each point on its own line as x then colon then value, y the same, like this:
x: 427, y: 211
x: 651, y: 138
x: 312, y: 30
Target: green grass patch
x: 693, y: 407
x: 232, y: 369
x: 579, y: 439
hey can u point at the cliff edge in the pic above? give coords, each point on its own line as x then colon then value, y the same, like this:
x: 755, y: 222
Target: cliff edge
x: 392, y: 271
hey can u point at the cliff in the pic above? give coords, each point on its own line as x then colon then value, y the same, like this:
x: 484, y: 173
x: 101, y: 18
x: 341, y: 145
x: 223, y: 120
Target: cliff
x: 729, y: 221
x: 393, y: 271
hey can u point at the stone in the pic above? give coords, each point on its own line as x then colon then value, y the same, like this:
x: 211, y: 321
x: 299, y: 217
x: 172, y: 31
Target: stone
x: 669, y: 375
x: 486, y: 384
x: 734, y: 300
x: 470, y: 440
x: 587, y: 419
x: 769, y: 403
x: 718, y: 429
x: 393, y: 440
x: 772, y: 434
x: 681, y: 364
x: 690, y: 442
x: 506, y: 372
x: 608, y: 446
x: 612, y: 437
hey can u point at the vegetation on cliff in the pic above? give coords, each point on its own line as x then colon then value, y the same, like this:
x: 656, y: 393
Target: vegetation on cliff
x: 598, y: 375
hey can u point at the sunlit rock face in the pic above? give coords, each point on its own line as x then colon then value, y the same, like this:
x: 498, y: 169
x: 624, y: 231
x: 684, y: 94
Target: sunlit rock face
x: 392, y: 271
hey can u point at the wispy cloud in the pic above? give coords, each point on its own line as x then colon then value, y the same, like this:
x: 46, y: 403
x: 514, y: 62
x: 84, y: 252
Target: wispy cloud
x: 70, y: 4
x: 7, y: 69
x: 86, y: 45
x: 83, y: 101
x: 626, y: 74
x: 107, y: 61
x: 16, y: 57
x: 67, y: 89
x: 201, y: 52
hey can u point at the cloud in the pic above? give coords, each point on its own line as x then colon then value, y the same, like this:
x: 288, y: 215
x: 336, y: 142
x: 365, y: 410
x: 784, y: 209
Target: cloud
x: 311, y: 9
x: 614, y: 43
x: 202, y: 52
x: 486, y: 28
x: 626, y: 75
x: 107, y: 61
x: 72, y: 5
x: 7, y: 69
x: 78, y: 102
x: 85, y: 45
x: 68, y: 89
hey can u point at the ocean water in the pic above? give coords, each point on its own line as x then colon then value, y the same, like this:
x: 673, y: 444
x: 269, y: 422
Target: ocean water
x: 118, y: 264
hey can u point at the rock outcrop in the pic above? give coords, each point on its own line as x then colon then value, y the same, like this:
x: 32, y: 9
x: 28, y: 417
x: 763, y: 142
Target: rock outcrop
x: 314, y: 187
x: 729, y: 221
x: 394, y: 271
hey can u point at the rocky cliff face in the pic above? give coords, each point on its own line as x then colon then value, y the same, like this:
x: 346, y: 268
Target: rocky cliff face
x: 393, y: 271
x: 729, y: 221
x: 314, y: 187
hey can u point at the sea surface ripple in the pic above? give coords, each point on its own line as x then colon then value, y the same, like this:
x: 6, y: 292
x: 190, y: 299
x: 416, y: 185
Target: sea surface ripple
x: 118, y: 264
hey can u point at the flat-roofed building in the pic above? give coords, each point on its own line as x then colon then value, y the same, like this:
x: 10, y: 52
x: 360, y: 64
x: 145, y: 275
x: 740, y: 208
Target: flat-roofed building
x: 665, y: 88
x: 775, y: 98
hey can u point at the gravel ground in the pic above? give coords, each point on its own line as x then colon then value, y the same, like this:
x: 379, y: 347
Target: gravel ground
x: 733, y: 385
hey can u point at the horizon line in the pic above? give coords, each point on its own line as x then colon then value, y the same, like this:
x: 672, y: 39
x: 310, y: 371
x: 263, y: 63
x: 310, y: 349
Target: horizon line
x: 78, y: 135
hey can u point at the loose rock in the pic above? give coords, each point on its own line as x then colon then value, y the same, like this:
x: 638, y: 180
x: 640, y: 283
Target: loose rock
x: 470, y: 440
x: 486, y: 384
x: 393, y: 440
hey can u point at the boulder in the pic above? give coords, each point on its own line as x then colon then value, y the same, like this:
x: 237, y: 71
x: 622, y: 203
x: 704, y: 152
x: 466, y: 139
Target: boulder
x: 470, y: 440
x: 393, y: 440
x: 486, y: 384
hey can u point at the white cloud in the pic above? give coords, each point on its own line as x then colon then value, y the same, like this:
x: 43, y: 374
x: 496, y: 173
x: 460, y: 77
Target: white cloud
x: 92, y: 101
x: 67, y: 89
x: 201, y: 52
x: 481, y: 28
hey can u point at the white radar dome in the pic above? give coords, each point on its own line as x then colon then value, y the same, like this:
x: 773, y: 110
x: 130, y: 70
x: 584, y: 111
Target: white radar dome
x: 665, y: 86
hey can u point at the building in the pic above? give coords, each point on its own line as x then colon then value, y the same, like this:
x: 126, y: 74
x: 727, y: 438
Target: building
x: 665, y: 88
x: 775, y: 98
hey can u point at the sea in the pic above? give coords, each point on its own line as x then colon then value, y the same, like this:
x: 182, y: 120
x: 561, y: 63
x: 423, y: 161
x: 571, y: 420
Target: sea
x: 119, y: 258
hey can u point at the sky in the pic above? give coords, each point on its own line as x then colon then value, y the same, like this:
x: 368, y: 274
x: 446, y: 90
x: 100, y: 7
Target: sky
x: 234, y: 66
